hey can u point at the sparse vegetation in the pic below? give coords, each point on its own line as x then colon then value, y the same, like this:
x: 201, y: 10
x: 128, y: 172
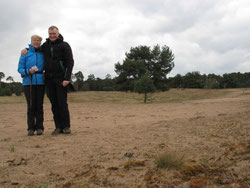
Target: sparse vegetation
x: 145, y: 85
x: 215, y: 141
x: 12, y: 148
x: 173, y: 95
x: 45, y: 185
x: 6, y: 140
x: 169, y: 160
x: 132, y: 163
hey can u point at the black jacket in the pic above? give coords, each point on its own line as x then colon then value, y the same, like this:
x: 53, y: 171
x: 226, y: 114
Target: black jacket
x: 58, y: 59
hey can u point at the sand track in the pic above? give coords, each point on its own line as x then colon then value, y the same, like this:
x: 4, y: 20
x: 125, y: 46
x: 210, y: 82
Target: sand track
x: 212, y: 132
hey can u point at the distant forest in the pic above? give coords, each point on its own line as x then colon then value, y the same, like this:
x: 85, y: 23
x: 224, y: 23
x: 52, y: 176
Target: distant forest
x: 143, y: 70
x: 189, y: 80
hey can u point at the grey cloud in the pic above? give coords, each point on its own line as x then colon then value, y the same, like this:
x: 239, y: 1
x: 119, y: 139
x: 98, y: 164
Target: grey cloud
x: 14, y: 16
x: 209, y: 36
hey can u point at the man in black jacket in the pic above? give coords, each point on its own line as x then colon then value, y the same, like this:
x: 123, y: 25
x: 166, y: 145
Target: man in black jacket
x: 58, y: 65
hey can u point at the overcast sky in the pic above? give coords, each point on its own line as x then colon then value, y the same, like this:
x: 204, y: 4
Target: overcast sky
x: 209, y: 36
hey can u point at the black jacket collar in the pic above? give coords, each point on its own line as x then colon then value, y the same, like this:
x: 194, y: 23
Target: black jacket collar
x: 58, y: 40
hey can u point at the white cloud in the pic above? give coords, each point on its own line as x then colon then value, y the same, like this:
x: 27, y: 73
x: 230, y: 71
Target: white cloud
x: 209, y: 36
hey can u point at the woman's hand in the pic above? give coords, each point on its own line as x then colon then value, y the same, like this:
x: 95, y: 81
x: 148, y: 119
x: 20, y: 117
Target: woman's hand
x: 32, y: 71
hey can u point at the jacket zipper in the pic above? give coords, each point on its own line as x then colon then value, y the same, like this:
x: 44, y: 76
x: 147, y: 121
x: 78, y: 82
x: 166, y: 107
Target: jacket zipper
x: 37, y: 67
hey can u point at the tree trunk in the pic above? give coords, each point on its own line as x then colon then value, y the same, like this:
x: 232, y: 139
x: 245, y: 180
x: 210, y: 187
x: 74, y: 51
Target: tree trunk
x: 145, y: 97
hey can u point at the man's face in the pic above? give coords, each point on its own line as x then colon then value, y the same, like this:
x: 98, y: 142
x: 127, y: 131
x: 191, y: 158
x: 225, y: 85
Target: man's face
x: 53, y: 34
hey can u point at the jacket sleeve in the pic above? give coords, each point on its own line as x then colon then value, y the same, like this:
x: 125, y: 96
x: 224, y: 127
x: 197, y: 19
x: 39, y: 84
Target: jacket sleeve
x: 22, y: 66
x: 68, y: 61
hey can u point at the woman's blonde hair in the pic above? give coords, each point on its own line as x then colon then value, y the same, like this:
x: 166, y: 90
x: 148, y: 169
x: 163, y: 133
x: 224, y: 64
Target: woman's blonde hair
x: 33, y: 37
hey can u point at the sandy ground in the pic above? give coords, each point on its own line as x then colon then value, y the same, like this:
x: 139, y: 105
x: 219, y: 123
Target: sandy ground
x: 212, y: 134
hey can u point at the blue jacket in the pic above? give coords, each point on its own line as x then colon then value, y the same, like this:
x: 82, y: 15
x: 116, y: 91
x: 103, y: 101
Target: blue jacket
x: 32, y: 58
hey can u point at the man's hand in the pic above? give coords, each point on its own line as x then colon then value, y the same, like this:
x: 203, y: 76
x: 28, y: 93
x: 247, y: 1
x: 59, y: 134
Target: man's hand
x: 24, y: 52
x: 65, y: 83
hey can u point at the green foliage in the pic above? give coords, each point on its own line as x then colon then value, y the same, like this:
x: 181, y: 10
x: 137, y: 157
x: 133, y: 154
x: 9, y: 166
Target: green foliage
x: 2, y: 75
x: 176, y: 82
x: 7, y: 89
x: 91, y: 81
x: 193, y: 80
x: 157, y: 62
x: 45, y: 185
x: 18, y: 91
x: 12, y: 149
x: 79, y: 76
x: 236, y: 80
x: 210, y: 81
x: 5, y: 92
x: 10, y: 79
x: 162, y: 64
x: 108, y: 83
x: 145, y: 85
x: 6, y: 139
x: 17, y: 88
x: 169, y: 160
x: 78, y: 83
x: 97, y: 84
x: 189, y: 80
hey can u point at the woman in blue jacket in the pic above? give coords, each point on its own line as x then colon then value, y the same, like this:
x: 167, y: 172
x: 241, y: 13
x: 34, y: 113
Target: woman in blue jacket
x: 31, y: 69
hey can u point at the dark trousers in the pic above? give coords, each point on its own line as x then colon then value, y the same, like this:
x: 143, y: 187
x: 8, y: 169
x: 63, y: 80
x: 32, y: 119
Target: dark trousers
x: 57, y: 95
x: 34, y: 98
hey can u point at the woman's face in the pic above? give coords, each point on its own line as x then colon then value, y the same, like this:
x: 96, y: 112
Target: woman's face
x: 36, y: 43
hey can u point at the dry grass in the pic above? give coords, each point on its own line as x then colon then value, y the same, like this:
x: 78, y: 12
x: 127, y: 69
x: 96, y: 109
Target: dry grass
x: 133, y: 163
x: 169, y: 160
x: 12, y: 99
x: 173, y: 95
x: 16, y: 99
x: 105, y: 97
x: 179, y: 95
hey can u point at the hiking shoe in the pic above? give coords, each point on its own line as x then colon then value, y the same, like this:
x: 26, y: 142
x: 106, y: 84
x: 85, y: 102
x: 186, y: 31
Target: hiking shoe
x: 30, y: 132
x: 39, y: 132
x: 57, y: 131
x: 67, y: 130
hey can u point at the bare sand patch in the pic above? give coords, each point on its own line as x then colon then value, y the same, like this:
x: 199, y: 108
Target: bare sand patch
x: 213, y: 134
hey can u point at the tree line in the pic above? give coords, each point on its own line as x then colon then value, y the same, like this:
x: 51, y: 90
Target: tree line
x: 144, y: 70
x: 9, y: 87
x: 189, y: 80
x: 210, y: 81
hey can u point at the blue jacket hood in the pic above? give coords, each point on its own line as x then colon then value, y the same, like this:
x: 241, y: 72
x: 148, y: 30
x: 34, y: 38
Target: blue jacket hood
x: 32, y: 48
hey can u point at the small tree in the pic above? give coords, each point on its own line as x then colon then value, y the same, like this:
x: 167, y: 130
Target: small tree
x: 91, y: 82
x: 2, y: 75
x: 108, y: 83
x: 157, y: 62
x: 79, y: 80
x: 17, y: 88
x: 10, y: 79
x: 145, y: 85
